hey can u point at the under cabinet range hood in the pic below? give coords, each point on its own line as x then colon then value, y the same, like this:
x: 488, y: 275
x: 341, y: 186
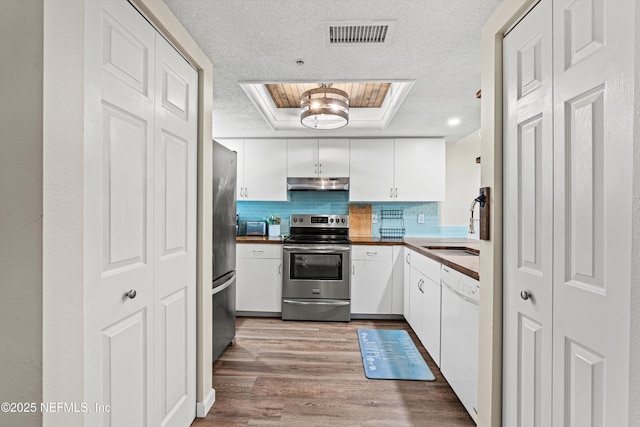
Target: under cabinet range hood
x: 318, y: 184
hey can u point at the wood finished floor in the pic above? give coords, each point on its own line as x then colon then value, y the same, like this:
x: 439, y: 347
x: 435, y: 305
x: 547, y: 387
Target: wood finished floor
x: 310, y: 374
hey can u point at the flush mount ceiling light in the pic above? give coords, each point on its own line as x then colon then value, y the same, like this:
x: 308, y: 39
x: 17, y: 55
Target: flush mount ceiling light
x: 324, y: 108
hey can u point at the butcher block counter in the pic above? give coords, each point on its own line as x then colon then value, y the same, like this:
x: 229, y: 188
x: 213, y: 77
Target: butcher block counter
x: 438, y: 249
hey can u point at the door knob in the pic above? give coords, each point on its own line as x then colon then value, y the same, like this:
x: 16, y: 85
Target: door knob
x: 131, y: 294
x: 525, y: 295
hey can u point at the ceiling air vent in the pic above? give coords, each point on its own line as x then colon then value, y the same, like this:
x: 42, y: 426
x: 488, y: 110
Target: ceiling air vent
x: 358, y: 32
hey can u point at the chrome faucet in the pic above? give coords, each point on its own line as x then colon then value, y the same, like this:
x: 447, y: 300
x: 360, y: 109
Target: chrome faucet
x: 482, y: 199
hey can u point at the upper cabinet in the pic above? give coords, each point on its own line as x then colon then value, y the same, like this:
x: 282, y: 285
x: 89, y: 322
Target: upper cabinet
x: 402, y: 170
x: 419, y: 170
x: 318, y: 158
x: 262, y: 168
x: 371, y: 167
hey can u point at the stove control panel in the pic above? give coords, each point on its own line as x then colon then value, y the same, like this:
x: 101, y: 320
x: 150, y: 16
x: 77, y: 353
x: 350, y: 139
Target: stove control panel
x: 323, y: 221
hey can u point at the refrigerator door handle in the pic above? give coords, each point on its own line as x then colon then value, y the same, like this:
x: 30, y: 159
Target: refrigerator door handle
x: 225, y: 285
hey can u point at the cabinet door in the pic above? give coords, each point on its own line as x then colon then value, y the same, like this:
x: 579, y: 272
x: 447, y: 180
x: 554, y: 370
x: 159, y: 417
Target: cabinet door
x: 406, y: 266
x: 333, y: 158
x: 415, y: 301
x: 397, y: 298
x: 371, y: 286
x: 265, y: 169
x: 419, y: 169
x: 371, y: 170
x: 237, y: 145
x: 431, y: 319
x: 302, y: 157
x: 259, y: 285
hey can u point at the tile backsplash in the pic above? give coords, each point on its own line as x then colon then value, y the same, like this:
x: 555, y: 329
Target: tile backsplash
x: 337, y: 202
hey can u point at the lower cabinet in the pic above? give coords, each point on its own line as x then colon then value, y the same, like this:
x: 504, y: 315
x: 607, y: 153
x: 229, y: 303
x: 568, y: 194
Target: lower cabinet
x: 259, y: 278
x: 371, y: 279
x: 424, y: 302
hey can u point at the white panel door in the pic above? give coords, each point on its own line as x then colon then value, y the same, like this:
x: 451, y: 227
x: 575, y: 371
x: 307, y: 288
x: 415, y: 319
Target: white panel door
x: 528, y: 229
x: 119, y: 253
x: 174, y: 237
x: 593, y: 138
x: 140, y: 170
x: 419, y: 169
x: 371, y: 169
x: 302, y: 157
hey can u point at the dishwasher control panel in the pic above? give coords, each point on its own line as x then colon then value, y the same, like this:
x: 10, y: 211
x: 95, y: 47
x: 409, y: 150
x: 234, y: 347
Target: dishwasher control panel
x: 464, y: 285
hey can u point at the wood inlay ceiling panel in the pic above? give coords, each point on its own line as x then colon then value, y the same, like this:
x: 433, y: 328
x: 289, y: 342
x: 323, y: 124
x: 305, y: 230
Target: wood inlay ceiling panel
x: 361, y: 95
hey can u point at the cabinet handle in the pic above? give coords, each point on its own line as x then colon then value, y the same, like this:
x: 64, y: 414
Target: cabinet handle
x: 353, y: 269
x: 246, y: 192
x: 395, y: 194
x: 257, y: 252
x: 280, y: 269
x: 372, y: 253
x: 408, y: 258
x: 420, y: 283
x: 444, y: 268
x: 320, y: 168
x: 391, y: 192
x: 315, y: 168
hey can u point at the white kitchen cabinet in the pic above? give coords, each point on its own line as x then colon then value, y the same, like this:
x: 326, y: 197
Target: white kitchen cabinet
x: 259, y: 278
x: 397, y: 299
x: 371, y: 280
x: 419, y: 169
x: 371, y: 170
x: 318, y: 158
x: 424, y: 302
x: 262, y: 168
x: 400, y: 170
x: 265, y: 169
x: 406, y: 270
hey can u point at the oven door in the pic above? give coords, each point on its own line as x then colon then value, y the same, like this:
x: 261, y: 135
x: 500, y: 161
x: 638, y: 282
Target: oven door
x: 316, y: 271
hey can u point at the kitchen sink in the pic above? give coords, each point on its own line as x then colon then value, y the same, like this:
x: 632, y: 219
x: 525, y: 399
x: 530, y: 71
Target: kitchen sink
x: 453, y: 251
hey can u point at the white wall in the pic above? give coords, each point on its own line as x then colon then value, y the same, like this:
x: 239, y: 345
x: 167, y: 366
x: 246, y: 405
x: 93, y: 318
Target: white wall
x: 462, y: 181
x: 21, y: 207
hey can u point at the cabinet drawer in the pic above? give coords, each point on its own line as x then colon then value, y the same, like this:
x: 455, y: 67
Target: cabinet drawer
x: 271, y: 251
x: 371, y: 253
x: 426, y: 266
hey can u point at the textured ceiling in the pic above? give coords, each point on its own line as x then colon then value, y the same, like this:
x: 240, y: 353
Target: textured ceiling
x: 435, y: 42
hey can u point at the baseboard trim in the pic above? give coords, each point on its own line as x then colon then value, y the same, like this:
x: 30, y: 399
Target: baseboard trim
x: 202, y: 408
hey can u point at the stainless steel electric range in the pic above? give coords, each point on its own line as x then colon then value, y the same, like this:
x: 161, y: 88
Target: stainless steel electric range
x: 317, y: 258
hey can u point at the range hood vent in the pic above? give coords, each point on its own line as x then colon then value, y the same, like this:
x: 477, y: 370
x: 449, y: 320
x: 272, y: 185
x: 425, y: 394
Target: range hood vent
x: 318, y: 184
x: 358, y: 32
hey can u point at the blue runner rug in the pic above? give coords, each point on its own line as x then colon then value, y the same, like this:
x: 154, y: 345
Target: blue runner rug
x: 392, y: 355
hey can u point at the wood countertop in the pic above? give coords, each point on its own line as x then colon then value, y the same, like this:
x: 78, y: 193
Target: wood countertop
x: 436, y: 249
x: 258, y: 239
x: 431, y: 247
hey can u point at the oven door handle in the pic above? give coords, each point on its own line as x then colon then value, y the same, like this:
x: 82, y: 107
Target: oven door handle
x: 318, y: 249
x: 336, y: 303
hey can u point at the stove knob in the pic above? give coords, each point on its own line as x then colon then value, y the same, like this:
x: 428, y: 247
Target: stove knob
x: 331, y: 220
x: 342, y: 220
x: 295, y: 219
x: 301, y: 219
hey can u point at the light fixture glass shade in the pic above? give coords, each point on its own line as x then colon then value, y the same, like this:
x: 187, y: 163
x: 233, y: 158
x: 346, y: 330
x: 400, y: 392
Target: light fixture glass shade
x: 324, y: 108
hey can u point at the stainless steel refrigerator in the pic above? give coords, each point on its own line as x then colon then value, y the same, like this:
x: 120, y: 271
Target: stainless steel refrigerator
x: 224, y: 248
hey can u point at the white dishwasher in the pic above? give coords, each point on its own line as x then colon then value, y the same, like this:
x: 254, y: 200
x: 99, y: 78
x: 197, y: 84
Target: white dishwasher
x: 459, y: 336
